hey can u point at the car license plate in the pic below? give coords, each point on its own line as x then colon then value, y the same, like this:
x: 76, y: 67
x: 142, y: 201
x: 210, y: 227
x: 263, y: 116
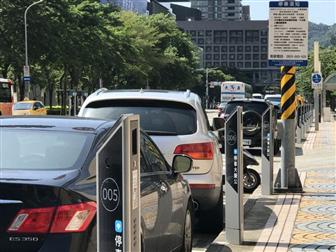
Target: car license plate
x: 247, y: 141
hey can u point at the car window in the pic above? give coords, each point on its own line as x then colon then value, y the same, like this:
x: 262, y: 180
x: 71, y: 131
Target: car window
x: 156, y: 117
x: 144, y: 168
x: 258, y: 107
x: 22, y: 106
x: 152, y: 155
x: 42, y: 150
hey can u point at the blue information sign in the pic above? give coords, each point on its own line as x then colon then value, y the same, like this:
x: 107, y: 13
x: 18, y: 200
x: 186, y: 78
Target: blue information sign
x: 316, y: 78
x: 27, y: 78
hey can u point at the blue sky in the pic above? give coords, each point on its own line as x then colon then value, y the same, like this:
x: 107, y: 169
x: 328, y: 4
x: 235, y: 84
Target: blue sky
x: 320, y: 11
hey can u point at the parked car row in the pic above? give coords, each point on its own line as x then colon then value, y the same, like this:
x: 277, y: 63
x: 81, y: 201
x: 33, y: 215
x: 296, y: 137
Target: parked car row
x: 48, y: 184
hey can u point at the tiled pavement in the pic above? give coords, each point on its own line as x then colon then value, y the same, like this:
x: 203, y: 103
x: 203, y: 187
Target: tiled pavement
x: 315, y: 225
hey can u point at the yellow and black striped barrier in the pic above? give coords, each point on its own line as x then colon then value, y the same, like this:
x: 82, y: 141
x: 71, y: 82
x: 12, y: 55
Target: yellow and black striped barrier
x: 288, y: 88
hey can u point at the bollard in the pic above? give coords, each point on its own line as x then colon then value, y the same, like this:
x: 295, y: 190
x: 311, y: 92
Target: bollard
x: 299, y: 125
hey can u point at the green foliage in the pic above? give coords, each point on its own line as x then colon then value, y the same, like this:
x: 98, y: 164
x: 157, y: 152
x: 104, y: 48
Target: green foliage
x: 74, y: 43
x: 328, y: 66
x: 325, y: 34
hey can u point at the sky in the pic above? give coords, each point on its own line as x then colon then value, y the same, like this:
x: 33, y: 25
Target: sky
x: 320, y: 11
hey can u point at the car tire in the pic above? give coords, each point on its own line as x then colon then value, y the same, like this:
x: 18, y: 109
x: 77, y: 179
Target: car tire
x: 211, y: 221
x: 251, y: 117
x: 251, y: 180
x: 188, y: 229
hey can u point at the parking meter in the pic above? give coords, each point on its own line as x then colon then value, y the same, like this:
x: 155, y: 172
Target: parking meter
x: 118, y: 188
x: 234, y: 210
x: 267, y: 150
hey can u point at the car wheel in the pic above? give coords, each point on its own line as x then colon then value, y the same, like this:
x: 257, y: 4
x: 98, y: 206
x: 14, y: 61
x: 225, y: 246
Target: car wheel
x: 188, y: 230
x: 212, y: 221
x: 251, y: 180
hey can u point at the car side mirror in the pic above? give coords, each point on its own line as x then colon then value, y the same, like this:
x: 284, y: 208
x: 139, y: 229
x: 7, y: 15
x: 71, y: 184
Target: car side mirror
x: 182, y: 164
x: 218, y: 123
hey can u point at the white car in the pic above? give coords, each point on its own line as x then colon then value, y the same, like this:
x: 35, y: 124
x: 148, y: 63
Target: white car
x: 178, y: 124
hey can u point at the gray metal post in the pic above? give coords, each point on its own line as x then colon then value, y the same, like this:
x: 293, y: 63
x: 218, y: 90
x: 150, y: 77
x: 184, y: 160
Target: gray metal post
x: 206, y: 88
x: 267, y: 151
x: 234, y: 209
x: 70, y: 105
x: 299, y: 126
x: 316, y: 109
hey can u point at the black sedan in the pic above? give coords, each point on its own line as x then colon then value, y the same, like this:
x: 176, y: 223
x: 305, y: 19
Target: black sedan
x: 48, y: 188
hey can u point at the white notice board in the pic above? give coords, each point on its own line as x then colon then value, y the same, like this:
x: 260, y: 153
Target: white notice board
x: 288, y: 33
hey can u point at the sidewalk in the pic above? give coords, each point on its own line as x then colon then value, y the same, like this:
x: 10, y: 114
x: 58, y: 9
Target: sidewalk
x: 296, y: 222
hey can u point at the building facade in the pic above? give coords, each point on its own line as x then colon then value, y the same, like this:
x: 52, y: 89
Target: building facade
x: 227, y: 10
x: 236, y: 45
x: 138, y: 6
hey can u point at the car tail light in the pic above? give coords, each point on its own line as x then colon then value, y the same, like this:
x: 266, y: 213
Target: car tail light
x: 198, y: 151
x: 61, y: 219
x: 73, y: 218
x: 36, y: 220
x: 202, y: 186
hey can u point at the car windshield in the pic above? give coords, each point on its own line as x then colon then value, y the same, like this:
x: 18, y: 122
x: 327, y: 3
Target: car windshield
x: 156, y: 117
x: 274, y: 99
x: 23, y: 106
x: 259, y: 107
x: 5, y: 92
x: 42, y: 149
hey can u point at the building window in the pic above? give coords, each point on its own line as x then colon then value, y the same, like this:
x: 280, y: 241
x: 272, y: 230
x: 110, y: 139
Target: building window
x: 247, y: 56
x: 240, y: 65
x: 224, y: 56
x: 230, y: 1
x: 223, y: 49
x: 216, y: 48
x: 220, y: 37
x: 252, y: 36
x: 232, y: 56
x: 236, y: 37
x: 247, y: 48
x: 200, y: 41
x: 216, y: 56
x: 208, y: 56
x: 208, y: 64
x: 240, y: 57
x: 264, y: 56
x: 231, y: 8
x: 232, y: 64
x: 200, y: 33
x: 264, y: 64
x: 263, y: 48
x: 263, y: 33
x: 230, y: 14
x: 255, y: 64
x: 224, y: 64
x: 239, y: 48
x: 255, y: 48
x: 232, y: 48
x: 208, y: 33
x: 192, y: 33
x: 263, y: 40
x: 208, y: 49
x: 255, y: 56
x: 208, y: 40
x: 247, y: 64
x: 216, y: 64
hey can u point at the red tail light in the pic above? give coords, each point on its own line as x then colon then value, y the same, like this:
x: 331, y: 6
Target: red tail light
x: 197, y: 151
x: 61, y: 219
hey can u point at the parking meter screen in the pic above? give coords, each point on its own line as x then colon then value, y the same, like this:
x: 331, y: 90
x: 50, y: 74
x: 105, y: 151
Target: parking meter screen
x: 110, y: 195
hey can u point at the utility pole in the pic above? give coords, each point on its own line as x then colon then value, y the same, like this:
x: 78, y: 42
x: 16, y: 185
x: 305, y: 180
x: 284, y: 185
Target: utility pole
x: 207, y: 88
x: 316, y: 91
x: 26, y: 71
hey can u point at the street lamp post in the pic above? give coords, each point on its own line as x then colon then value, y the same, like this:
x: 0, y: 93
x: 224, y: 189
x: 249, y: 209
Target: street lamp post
x: 26, y: 67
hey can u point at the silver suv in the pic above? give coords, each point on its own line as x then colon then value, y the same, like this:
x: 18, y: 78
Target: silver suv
x: 178, y: 124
